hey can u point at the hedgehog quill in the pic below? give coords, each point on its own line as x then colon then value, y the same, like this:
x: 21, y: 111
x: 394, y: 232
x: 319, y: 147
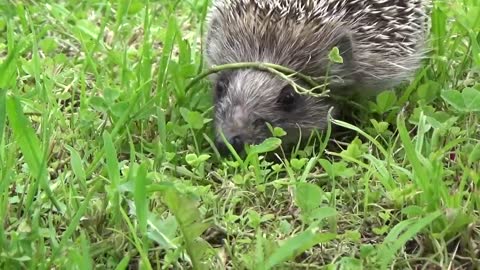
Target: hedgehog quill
x: 381, y: 42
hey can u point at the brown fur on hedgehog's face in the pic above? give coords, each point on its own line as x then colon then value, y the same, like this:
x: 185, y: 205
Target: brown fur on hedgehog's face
x: 245, y: 100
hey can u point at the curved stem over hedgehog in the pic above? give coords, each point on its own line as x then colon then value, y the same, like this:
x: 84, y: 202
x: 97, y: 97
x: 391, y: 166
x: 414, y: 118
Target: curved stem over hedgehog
x: 284, y: 72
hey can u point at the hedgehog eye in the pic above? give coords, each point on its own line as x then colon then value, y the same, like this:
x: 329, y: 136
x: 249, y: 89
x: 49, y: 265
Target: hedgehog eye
x: 221, y: 85
x: 220, y: 89
x: 259, y: 122
x: 287, y: 98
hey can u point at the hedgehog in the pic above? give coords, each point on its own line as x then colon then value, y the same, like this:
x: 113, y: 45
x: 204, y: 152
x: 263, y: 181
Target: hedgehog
x: 382, y: 43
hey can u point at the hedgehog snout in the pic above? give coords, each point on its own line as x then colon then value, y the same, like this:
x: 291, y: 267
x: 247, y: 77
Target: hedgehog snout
x: 236, y: 142
x: 234, y: 128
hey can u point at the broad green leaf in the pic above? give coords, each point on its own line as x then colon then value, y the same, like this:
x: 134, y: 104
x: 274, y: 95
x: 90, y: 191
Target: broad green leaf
x: 298, y: 164
x: 203, y: 157
x: 380, y: 127
x: 48, y: 44
x: 279, y: 132
x: 189, y: 221
x: 474, y: 155
x: 366, y: 250
x: 268, y: 145
x: 254, y: 218
x: 340, y: 169
x: 466, y: 101
x: 110, y: 95
x: 193, y: 118
x: 429, y: 91
x: 119, y: 108
x: 163, y: 231
x: 354, y: 149
x: 386, y: 101
x: 191, y: 158
x: 353, y: 235
x: 334, y: 56
x: 308, y: 196
x: 454, y: 98
x: 98, y: 103
x: 471, y: 98
x: 322, y: 213
x: 327, y: 166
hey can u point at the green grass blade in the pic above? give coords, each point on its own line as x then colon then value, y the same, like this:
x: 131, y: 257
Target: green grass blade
x: 141, y: 200
x: 189, y: 220
x: 394, y: 240
x: 136, y: 241
x: 74, y: 222
x: 3, y: 116
x: 296, y: 245
x: 77, y: 167
x: 113, y: 174
x: 25, y: 135
x: 164, y: 62
x: 363, y: 133
x: 30, y: 147
x: 421, y: 175
x: 123, y: 264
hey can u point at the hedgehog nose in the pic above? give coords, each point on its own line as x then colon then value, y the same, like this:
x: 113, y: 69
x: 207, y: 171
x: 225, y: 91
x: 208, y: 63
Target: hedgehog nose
x: 236, y: 142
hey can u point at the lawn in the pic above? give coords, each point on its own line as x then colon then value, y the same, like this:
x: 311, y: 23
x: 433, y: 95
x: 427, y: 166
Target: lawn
x: 106, y: 157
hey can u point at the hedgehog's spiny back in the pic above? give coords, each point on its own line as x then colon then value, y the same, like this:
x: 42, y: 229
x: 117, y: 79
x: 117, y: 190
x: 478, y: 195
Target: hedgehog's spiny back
x: 378, y: 21
x: 387, y: 35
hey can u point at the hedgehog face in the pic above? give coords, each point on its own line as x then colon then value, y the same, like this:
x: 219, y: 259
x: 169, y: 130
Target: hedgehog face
x: 245, y: 100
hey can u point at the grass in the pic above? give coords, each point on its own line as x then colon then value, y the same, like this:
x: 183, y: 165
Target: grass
x: 106, y: 159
